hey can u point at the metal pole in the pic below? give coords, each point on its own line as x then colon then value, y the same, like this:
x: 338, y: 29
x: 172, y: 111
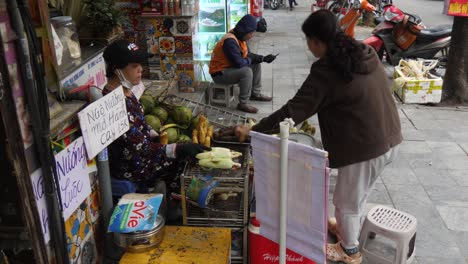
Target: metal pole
x: 105, y: 185
x: 284, y: 136
x: 105, y: 191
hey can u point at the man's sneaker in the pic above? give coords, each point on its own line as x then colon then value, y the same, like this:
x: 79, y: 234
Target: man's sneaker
x: 336, y: 253
x: 261, y: 98
x: 247, y: 108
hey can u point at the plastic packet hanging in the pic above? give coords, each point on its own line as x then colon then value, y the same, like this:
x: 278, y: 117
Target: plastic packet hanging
x: 201, y: 189
x: 135, y: 212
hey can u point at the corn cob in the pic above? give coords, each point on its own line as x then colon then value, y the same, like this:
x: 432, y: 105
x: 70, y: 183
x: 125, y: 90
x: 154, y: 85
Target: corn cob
x: 218, y: 163
x: 195, y: 136
x: 163, y: 138
x: 221, y: 153
x: 207, y: 142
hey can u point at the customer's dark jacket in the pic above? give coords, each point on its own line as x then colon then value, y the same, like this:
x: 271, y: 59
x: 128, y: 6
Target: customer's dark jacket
x: 358, y: 120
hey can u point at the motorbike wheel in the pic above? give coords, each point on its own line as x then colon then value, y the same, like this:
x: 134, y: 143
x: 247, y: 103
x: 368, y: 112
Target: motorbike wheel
x: 274, y: 4
x: 442, y: 56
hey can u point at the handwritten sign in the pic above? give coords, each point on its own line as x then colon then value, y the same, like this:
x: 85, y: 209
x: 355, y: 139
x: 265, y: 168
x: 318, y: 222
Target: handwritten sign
x: 73, y: 176
x: 39, y: 194
x: 104, y: 121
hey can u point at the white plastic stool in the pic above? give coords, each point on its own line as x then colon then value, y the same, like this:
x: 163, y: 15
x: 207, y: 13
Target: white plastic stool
x: 228, y: 91
x: 395, y: 225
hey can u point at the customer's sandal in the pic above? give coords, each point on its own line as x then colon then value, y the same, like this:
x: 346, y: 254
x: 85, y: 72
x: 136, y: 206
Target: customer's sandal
x: 336, y: 253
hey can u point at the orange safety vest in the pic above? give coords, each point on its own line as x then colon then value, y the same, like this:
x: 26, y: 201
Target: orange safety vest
x: 219, y: 60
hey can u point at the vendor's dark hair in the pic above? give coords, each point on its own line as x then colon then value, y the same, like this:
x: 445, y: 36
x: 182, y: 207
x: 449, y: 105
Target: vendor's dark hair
x: 343, y: 52
x: 111, y: 67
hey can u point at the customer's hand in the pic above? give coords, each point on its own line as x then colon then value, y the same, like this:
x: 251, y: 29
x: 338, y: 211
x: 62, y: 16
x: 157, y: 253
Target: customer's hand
x: 269, y: 58
x: 242, y: 132
x: 189, y: 150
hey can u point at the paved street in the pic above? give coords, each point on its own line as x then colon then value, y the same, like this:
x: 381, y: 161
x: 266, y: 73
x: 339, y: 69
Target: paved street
x: 429, y: 10
x: 429, y: 179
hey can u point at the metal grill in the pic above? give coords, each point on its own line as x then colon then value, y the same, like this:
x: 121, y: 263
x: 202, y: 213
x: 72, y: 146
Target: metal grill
x: 215, y: 115
x: 232, y: 212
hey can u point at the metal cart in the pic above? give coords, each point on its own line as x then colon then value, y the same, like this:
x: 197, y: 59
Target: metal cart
x: 234, y: 211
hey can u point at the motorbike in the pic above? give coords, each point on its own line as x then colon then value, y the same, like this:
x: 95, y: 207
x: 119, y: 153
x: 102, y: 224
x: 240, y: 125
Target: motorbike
x: 274, y: 4
x: 319, y: 4
x: 348, y: 21
x: 342, y: 6
x: 402, y: 35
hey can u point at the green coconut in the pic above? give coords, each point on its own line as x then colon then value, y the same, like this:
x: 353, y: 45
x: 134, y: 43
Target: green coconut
x: 172, y: 134
x: 147, y: 102
x: 153, y: 121
x: 161, y: 113
x: 184, y: 138
x: 182, y: 115
x: 169, y: 121
x: 194, y: 122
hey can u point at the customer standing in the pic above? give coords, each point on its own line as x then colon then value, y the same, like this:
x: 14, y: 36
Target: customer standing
x: 360, y: 127
x: 233, y: 63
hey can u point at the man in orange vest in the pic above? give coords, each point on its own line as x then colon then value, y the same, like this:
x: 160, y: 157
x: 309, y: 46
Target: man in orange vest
x: 232, y: 63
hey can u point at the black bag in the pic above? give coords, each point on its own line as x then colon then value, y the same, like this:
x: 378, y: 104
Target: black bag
x: 262, y: 25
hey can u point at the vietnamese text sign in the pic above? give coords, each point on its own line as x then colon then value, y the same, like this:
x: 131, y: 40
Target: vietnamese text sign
x: 104, y: 121
x: 39, y: 194
x: 457, y: 7
x: 73, y: 176
x: 92, y: 72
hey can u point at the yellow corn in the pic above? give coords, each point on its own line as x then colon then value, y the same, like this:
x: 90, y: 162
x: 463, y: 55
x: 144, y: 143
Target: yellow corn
x: 163, y: 138
x: 207, y: 142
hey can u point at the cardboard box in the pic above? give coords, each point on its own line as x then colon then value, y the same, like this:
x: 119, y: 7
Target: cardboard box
x: 420, y: 91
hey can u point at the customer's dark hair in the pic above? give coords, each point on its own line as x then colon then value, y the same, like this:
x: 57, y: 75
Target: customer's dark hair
x: 343, y: 52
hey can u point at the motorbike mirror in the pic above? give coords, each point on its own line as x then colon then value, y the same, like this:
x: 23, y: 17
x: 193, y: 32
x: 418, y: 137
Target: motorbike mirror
x: 367, y: 7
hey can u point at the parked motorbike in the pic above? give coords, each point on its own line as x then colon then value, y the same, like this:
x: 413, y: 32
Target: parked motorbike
x: 319, y: 4
x: 401, y: 35
x: 342, y: 6
x: 274, y: 4
x: 348, y: 21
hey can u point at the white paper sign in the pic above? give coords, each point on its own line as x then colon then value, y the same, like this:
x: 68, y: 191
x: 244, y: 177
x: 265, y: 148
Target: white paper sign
x: 73, y: 176
x: 39, y: 194
x: 92, y: 72
x: 104, y: 121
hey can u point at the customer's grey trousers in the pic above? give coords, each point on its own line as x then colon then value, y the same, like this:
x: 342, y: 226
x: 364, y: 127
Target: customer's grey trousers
x: 248, y: 78
x: 353, y: 186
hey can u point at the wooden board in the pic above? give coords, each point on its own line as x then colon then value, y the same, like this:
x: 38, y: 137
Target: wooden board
x: 187, y: 245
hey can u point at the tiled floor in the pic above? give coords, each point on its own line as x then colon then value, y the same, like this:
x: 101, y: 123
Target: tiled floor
x: 429, y: 179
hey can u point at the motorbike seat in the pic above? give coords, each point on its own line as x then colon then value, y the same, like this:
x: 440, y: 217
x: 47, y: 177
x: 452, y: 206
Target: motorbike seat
x: 436, y: 32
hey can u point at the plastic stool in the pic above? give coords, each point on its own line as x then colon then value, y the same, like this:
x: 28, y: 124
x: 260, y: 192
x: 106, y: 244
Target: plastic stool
x: 228, y: 91
x: 395, y: 225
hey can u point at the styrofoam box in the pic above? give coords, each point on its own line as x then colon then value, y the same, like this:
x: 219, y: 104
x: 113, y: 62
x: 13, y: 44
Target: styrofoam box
x: 420, y: 91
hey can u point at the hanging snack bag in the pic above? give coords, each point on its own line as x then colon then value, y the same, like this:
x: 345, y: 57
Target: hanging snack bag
x: 135, y: 212
x: 201, y: 189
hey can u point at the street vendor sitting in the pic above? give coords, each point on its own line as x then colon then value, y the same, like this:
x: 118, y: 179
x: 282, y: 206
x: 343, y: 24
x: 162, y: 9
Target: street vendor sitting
x: 136, y: 156
x: 233, y: 63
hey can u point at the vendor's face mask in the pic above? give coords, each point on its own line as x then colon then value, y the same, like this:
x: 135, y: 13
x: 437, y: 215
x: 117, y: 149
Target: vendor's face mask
x: 126, y: 83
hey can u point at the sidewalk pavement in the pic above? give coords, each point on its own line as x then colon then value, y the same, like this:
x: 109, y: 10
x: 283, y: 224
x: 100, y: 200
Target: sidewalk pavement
x: 429, y: 179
